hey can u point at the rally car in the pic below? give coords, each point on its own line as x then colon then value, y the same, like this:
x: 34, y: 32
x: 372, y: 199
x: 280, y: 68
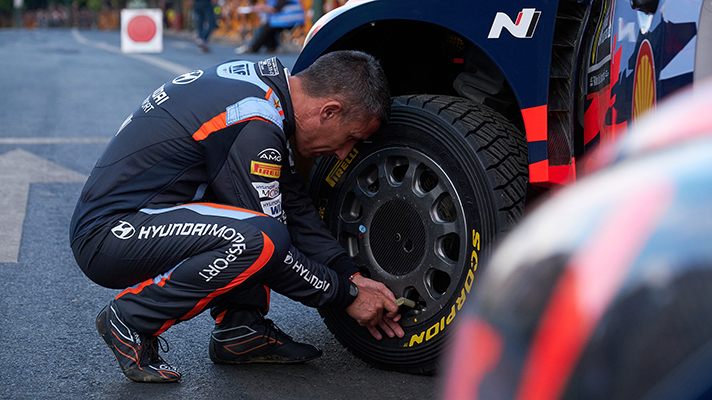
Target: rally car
x: 494, y: 103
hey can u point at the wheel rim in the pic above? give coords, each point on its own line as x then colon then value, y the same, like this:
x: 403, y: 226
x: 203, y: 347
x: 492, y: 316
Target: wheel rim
x: 401, y: 217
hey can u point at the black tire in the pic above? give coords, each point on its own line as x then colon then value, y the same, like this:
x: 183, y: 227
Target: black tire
x: 418, y: 206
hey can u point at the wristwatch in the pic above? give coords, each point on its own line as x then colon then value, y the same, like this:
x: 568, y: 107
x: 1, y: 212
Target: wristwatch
x: 353, y: 291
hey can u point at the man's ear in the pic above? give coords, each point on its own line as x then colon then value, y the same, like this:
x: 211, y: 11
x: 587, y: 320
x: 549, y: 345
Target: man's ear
x: 330, y: 109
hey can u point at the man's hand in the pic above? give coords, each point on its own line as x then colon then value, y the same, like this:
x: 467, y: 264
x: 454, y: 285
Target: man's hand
x: 368, y: 308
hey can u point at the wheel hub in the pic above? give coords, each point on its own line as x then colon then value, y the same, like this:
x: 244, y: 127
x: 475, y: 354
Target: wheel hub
x: 398, y: 237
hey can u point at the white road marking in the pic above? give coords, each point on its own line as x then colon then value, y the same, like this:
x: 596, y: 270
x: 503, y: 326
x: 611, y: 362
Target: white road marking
x: 177, y: 69
x: 18, y: 169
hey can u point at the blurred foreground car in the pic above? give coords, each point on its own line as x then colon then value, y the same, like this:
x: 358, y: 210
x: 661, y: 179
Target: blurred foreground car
x: 605, y: 291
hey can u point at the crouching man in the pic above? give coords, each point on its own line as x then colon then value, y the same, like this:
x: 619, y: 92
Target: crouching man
x: 195, y: 205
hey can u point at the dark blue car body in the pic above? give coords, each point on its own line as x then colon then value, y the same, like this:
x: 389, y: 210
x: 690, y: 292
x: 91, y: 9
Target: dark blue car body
x: 572, y: 71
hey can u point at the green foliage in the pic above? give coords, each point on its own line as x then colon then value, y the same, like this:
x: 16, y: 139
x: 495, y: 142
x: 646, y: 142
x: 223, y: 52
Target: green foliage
x: 94, y: 5
x: 5, y: 6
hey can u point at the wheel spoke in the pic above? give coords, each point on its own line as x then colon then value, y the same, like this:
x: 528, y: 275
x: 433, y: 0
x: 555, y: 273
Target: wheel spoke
x: 439, y: 229
x: 433, y: 260
x: 419, y: 285
x: 350, y: 227
x: 410, y: 176
x: 434, y: 195
x: 398, y: 286
x: 389, y: 185
x: 348, y: 238
x: 367, y: 200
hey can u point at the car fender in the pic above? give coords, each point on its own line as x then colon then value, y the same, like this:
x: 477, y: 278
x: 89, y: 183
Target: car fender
x: 524, y: 61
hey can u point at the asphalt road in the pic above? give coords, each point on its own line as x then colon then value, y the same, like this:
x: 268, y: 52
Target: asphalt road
x: 63, y: 95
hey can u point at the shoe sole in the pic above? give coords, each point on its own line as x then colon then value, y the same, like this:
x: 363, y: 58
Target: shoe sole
x: 263, y: 360
x: 260, y: 360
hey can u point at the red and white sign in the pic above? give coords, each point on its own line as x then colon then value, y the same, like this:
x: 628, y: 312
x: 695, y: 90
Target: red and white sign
x: 142, y: 30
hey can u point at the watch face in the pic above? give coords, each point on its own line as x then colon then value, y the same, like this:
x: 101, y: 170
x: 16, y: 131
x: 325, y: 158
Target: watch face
x: 353, y: 290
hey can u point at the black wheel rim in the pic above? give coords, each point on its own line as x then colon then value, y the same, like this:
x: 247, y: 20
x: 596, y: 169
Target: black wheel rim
x: 402, y: 218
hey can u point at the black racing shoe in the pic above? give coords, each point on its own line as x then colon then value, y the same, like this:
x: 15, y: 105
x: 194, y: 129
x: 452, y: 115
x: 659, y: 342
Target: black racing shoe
x: 136, y: 353
x: 244, y: 337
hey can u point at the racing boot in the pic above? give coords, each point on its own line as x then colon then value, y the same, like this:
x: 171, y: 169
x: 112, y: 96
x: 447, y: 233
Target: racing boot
x: 245, y: 336
x: 136, y: 353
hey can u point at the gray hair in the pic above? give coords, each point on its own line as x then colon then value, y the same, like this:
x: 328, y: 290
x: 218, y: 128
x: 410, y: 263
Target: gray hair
x: 353, y: 78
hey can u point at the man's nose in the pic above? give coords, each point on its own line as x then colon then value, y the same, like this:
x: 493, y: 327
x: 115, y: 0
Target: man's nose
x: 343, y: 152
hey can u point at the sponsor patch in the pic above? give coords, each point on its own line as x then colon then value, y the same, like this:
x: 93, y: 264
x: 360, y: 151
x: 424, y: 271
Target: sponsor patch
x: 123, y: 230
x: 267, y: 190
x: 303, y: 271
x: 268, y: 67
x: 187, y: 78
x: 527, y: 20
x: 270, y: 155
x: 242, y: 71
x: 289, y: 259
x: 239, y: 69
x: 644, y: 81
x: 273, y: 207
x: 235, y: 69
x: 265, y: 169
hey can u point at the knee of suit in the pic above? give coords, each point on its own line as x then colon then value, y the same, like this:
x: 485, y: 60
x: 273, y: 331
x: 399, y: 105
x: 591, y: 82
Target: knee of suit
x: 276, y: 232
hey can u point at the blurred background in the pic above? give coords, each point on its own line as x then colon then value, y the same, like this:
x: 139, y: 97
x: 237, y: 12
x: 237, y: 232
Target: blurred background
x: 233, y: 27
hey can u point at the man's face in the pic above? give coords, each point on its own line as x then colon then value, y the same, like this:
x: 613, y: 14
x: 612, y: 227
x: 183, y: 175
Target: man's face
x: 333, y: 138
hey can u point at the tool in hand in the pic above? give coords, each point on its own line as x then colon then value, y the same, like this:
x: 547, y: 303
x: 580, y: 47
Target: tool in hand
x: 402, y: 301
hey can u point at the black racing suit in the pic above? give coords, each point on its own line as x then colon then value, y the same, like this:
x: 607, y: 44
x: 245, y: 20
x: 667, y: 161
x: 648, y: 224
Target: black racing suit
x: 195, y: 204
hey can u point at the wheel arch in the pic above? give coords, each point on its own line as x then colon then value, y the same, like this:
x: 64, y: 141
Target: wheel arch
x: 459, y: 68
x: 426, y: 57
x: 531, y: 88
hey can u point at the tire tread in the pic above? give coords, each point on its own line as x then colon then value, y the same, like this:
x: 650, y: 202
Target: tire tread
x: 506, y: 153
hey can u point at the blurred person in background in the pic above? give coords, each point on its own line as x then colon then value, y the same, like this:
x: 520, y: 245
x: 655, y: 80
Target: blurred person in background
x: 281, y: 15
x: 204, y: 23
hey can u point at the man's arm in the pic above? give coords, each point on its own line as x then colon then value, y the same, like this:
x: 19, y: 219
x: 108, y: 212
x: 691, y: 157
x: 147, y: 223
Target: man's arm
x: 306, y: 228
x: 316, y: 285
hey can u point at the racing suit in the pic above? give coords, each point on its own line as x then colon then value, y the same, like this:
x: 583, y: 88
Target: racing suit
x: 195, y: 204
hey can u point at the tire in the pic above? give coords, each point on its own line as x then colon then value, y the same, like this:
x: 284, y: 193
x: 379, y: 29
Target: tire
x: 417, y: 207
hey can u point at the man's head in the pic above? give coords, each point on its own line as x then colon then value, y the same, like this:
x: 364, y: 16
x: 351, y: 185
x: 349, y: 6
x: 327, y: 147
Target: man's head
x: 342, y: 98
